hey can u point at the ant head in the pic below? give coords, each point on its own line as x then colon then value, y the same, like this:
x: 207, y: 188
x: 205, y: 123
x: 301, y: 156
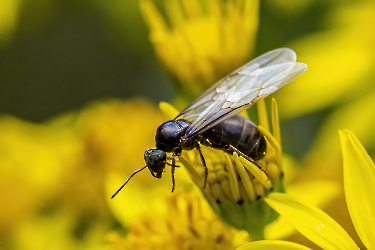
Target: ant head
x: 155, y: 161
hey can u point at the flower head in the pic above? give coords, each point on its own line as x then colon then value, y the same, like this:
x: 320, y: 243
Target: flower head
x: 234, y: 185
x: 185, y: 223
x: 205, y: 39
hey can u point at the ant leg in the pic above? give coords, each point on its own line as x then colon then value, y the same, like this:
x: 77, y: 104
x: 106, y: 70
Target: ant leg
x: 204, y: 165
x: 176, y: 166
x: 171, y: 158
x: 173, y: 165
x: 233, y: 149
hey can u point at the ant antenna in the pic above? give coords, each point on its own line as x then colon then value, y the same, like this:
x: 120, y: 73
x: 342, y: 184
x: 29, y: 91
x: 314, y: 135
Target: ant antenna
x: 139, y: 170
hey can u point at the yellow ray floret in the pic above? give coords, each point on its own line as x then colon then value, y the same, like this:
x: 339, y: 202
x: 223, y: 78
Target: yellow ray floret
x: 203, y: 41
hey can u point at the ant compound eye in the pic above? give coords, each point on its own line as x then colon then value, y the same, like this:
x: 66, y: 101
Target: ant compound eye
x: 158, y: 155
x: 147, y: 154
x: 184, y: 140
x: 154, y: 156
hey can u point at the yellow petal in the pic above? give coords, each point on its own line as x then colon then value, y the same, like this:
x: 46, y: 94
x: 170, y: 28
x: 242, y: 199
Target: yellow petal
x: 257, y: 172
x: 353, y: 116
x: 245, y: 178
x: 313, y: 223
x: 279, y: 229
x: 152, y: 16
x: 272, y: 140
x: 275, y: 121
x: 262, y: 112
x: 359, y: 183
x: 272, y: 245
x: 233, y: 179
x: 9, y: 15
x: 193, y: 173
x: 346, y: 57
x: 168, y: 110
x: 317, y: 193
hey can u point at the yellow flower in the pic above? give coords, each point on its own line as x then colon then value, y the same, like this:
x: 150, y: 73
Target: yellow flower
x: 114, y: 135
x: 32, y: 157
x: 359, y: 183
x: 9, y: 12
x: 340, y: 62
x: 340, y: 83
x: 60, y: 231
x: 186, y: 222
x: 235, y: 186
x: 339, y: 86
x: 205, y: 39
x: 137, y: 198
x: 52, y: 174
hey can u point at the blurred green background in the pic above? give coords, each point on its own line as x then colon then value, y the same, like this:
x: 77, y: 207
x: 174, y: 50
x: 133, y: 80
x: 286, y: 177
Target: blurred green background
x: 57, y: 56
x: 61, y: 55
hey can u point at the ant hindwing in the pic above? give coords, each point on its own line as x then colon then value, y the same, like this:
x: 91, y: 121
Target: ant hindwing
x: 212, y: 120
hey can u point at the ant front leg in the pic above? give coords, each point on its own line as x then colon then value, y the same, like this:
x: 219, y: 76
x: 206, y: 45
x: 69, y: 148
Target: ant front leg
x: 172, y: 170
x: 173, y: 166
x: 177, y: 152
x: 204, y: 165
x: 171, y: 158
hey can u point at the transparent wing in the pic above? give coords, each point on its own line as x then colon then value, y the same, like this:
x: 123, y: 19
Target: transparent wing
x: 241, y: 89
x: 273, y: 57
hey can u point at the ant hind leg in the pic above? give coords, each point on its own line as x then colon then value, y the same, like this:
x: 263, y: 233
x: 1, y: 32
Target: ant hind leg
x: 234, y: 149
x: 204, y: 165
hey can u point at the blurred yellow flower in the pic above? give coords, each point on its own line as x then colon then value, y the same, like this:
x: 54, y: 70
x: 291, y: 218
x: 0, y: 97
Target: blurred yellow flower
x: 338, y: 86
x: 32, y: 158
x: 185, y: 223
x: 53, y: 173
x: 9, y: 12
x: 60, y: 231
x: 340, y: 62
x: 205, y: 39
x: 114, y: 135
x: 359, y: 183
